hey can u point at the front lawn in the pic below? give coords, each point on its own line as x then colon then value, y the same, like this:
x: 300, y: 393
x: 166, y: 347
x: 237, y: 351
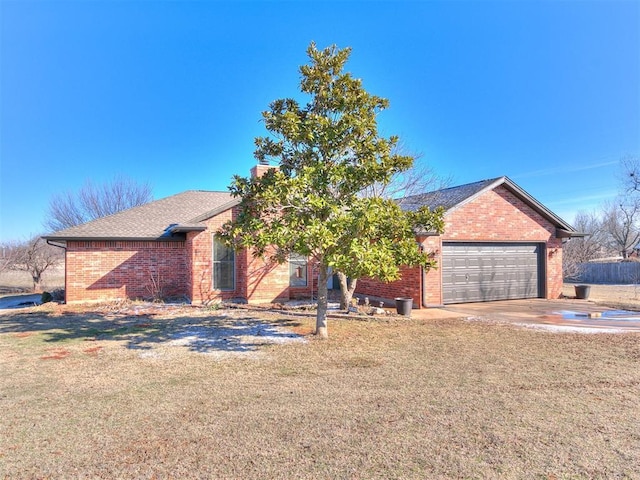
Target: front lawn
x: 160, y: 394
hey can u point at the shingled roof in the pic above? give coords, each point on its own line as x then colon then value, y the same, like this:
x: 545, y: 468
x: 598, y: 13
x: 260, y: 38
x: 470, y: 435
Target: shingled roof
x: 454, y: 197
x: 164, y: 219
x: 169, y: 218
x: 446, y: 198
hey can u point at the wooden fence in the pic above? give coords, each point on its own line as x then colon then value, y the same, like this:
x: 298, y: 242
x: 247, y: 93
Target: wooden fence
x: 612, y: 273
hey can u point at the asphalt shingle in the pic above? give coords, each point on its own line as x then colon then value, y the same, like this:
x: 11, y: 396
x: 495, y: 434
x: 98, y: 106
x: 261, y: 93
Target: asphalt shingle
x: 447, y: 197
x: 150, y: 221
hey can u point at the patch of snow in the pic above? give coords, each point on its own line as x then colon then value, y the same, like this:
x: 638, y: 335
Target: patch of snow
x: 238, y: 338
x: 309, y: 304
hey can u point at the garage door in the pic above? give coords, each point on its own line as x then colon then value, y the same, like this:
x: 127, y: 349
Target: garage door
x: 480, y: 272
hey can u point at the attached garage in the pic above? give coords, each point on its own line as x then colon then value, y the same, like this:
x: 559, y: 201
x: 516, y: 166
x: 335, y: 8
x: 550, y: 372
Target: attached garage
x: 499, y: 243
x: 480, y: 272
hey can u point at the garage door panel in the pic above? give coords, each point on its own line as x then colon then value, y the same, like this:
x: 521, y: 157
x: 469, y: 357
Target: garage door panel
x: 474, y: 272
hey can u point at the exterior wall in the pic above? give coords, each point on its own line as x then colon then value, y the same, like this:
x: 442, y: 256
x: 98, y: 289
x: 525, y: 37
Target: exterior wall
x: 266, y: 282
x: 256, y: 280
x: 259, y: 170
x: 433, y: 278
x: 495, y: 216
x: 500, y: 216
x: 200, y: 274
x: 99, y: 271
x: 408, y: 286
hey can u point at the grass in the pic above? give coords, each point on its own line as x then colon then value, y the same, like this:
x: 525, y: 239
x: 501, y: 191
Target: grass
x: 106, y: 394
x: 615, y: 296
x: 17, y: 281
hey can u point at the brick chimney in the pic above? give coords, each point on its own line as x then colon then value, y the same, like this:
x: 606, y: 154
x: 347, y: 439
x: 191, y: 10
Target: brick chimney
x: 259, y: 170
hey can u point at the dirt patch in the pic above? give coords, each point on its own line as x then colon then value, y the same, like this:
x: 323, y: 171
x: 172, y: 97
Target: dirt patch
x: 56, y: 354
x: 92, y: 350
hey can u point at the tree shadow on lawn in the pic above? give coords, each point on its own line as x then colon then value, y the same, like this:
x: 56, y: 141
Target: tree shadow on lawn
x: 226, y: 331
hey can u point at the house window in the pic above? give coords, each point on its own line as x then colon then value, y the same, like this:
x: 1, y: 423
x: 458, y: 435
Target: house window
x: 224, y: 266
x: 297, y: 270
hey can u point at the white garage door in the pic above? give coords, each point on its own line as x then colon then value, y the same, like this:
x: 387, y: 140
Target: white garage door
x: 480, y: 272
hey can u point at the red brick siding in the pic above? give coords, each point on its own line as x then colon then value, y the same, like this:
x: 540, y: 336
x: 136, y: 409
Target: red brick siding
x: 257, y: 280
x: 495, y: 216
x: 433, y: 281
x: 97, y: 271
x: 499, y: 216
x: 110, y: 270
x: 200, y: 251
x: 266, y: 281
x: 408, y: 286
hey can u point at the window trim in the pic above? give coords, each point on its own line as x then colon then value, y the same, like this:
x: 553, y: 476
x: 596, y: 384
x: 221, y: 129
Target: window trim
x: 297, y: 259
x: 213, y: 266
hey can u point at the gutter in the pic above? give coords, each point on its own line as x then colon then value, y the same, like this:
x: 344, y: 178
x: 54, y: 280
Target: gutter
x: 53, y: 244
x: 563, y: 233
x: 114, y: 239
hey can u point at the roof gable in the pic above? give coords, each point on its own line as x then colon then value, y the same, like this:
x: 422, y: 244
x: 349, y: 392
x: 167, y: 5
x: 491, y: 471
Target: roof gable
x: 455, y: 197
x: 156, y: 220
x: 447, y: 198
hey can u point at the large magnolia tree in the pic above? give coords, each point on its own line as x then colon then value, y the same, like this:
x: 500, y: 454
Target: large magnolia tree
x: 328, y: 151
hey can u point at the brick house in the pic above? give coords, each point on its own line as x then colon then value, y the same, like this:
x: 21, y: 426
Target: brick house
x: 498, y: 243
x: 167, y: 248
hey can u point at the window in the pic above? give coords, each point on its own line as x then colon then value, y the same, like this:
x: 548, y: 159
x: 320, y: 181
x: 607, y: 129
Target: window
x: 297, y: 270
x: 224, y: 266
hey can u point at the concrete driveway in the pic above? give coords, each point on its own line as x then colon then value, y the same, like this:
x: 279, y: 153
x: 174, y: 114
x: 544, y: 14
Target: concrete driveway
x: 565, y: 315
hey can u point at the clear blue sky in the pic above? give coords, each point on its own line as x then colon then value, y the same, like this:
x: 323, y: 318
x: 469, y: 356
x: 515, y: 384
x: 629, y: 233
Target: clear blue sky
x: 547, y: 93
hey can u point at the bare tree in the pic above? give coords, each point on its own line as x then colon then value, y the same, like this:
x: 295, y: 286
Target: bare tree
x: 621, y: 222
x: 35, y: 256
x: 8, y: 255
x: 95, y: 201
x: 579, y: 250
x: 621, y: 217
x: 630, y: 175
x: 420, y: 178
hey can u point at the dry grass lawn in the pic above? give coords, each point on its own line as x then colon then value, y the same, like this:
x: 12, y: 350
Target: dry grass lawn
x: 17, y: 281
x: 120, y: 394
x: 616, y: 296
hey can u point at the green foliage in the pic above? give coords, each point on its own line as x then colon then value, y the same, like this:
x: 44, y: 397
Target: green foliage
x: 328, y: 151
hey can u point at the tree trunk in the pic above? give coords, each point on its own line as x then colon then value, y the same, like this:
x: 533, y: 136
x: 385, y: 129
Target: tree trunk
x: 37, y: 278
x: 321, y: 318
x: 346, y: 290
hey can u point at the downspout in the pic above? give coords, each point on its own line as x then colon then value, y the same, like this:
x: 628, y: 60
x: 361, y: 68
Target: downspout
x: 64, y: 247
